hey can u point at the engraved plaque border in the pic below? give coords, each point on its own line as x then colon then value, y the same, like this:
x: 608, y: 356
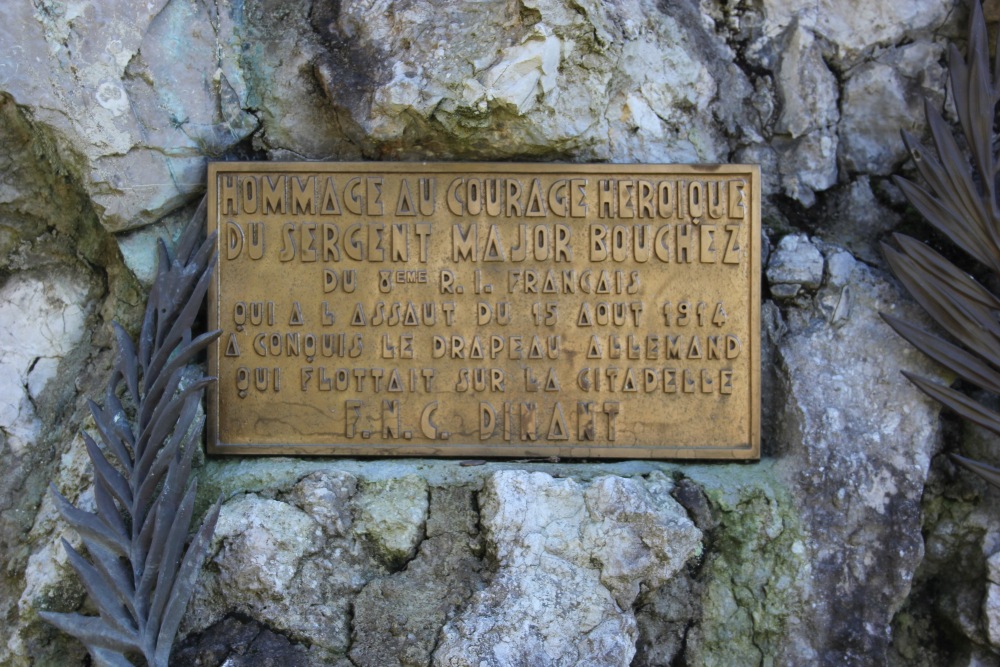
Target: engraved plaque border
x: 535, y: 449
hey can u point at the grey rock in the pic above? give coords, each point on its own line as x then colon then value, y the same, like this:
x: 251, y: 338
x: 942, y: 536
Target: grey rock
x: 261, y: 542
x: 326, y: 497
x: 769, y: 159
x: 808, y: 164
x: 397, y: 618
x: 238, y: 643
x: 587, y: 550
x: 138, y: 96
x: 143, y: 102
x: 286, y: 566
x: 306, y: 97
x: 856, y: 218
x: 795, y: 264
x: 754, y: 584
x: 883, y: 96
x: 472, y: 79
x: 55, y: 261
x: 139, y: 248
x: 855, y: 27
x: 806, y: 87
x: 991, y: 613
x: 955, y: 580
x: 993, y: 568
x: 391, y: 515
x: 805, y: 128
x: 772, y: 329
x: 664, y: 619
x: 41, y: 321
x: 858, y: 441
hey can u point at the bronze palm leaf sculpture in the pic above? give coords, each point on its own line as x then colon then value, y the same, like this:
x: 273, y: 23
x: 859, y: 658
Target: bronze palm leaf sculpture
x: 960, y: 200
x: 140, y: 576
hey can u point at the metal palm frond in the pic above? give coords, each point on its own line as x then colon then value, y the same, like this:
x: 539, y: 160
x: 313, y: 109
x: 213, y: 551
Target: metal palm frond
x: 960, y: 200
x: 140, y: 576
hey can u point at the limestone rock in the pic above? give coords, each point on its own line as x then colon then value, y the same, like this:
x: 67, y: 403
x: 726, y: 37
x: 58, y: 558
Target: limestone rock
x: 287, y: 566
x: 41, y: 321
x: 954, y: 580
x: 140, y: 103
x: 139, y: 96
x: 664, y: 621
x: 307, y: 97
x: 48, y: 579
x: 397, y: 618
x: 59, y: 276
x: 325, y: 496
x: 807, y: 165
x: 139, y: 247
x: 586, y: 550
x: 755, y: 583
x: 850, y: 415
x: 806, y: 86
x: 391, y: 514
x: 795, y: 264
x: 808, y: 93
x: 883, y: 96
x: 262, y: 543
x: 472, y: 79
x: 239, y: 643
x: 991, y: 613
x: 856, y: 218
x: 524, y: 72
x: 855, y: 26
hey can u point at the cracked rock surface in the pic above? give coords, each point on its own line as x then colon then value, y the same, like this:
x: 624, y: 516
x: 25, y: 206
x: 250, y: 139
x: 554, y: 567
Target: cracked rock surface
x: 42, y: 321
x: 585, y: 551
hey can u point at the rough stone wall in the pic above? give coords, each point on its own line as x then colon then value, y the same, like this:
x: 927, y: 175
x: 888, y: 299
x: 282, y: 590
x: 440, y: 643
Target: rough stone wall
x: 853, y: 542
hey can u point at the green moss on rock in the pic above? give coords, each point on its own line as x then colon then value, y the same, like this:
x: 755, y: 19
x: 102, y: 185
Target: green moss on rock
x: 391, y: 515
x: 756, y: 569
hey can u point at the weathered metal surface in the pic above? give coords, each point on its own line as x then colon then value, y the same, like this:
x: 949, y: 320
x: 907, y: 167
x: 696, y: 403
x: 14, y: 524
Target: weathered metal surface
x: 140, y: 576
x: 486, y: 309
x: 964, y: 205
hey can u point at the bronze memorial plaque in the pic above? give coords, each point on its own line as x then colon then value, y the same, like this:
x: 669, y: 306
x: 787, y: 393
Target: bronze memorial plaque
x: 526, y: 310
